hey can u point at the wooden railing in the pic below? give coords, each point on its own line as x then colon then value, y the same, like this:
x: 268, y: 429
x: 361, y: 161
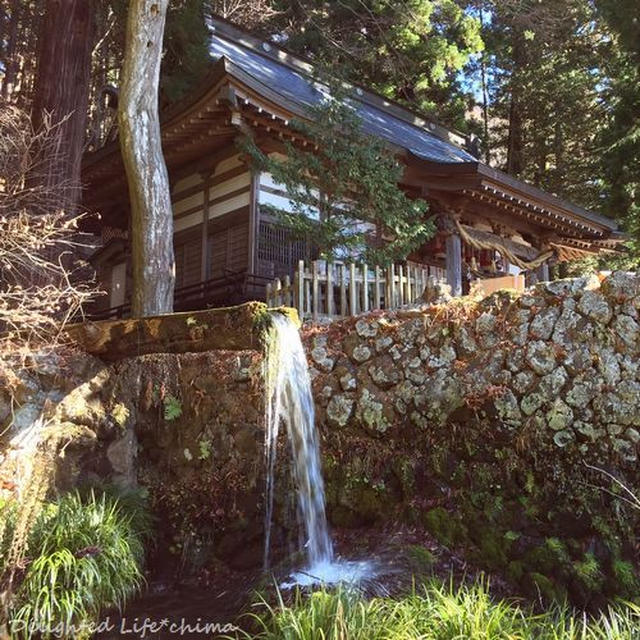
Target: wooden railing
x: 232, y: 288
x: 335, y: 289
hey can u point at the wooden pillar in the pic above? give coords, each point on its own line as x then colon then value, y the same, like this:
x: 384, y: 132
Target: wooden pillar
x: 205, y: 263
x: 453, y: 263
x: 543, y: 272
x: 254, y: 221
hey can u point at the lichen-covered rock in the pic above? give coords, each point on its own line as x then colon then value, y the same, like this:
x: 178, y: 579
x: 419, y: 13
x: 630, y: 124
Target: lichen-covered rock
x: 361, y: 353
x: 594, y: 305
x: 608, y: 365
x: 507, y: 407
x: 383, y: 343
x: 384, y: 372
x: 531, y: 403
x: 552, y: 384
x: 569, y: 286
x: 486, y: 329
x: 321, y: 357
x: 560, y: 415
x: 543, y: 323
x: 540, y: 356
x: 339, y: 410
x: 621, y: 286
x: 628, y: 330
x: 564, y: 438
x: 366, y: 328
x: 371, y: 413
x: 565, y: 333
x: 580, y: 394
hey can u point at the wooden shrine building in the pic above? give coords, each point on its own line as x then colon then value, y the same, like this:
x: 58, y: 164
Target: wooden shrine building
x: 228, y: 247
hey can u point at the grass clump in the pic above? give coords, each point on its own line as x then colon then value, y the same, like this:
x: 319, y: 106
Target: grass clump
x: 84, y: 554
x: 435, y: 611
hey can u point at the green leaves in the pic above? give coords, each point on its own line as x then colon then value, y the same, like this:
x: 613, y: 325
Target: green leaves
x: 343, y: 188
x: 172, y: 408
x: 86, y: 556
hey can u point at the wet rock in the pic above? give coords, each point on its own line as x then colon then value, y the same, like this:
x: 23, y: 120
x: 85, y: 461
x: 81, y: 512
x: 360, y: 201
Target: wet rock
x: 122, y: 454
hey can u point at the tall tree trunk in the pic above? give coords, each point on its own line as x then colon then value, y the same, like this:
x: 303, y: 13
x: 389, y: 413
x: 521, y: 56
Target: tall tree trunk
x: 515, y: 160
x: 9, y: 53
x: 140, y: 143
x: 62, y: 92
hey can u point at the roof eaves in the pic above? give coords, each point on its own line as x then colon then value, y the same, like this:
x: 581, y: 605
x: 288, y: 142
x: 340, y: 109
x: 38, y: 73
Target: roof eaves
x: 230, y: 32
x: 503, y: 178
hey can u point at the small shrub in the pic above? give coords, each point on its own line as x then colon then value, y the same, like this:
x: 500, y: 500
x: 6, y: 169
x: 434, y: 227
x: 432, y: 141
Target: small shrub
x: 84, y: 555
x: 172, y: 408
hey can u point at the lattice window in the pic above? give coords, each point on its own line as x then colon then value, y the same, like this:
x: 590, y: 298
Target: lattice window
x: 279, y: 250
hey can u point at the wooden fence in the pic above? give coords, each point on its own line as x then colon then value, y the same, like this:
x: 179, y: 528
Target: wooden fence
x: 336, y: 290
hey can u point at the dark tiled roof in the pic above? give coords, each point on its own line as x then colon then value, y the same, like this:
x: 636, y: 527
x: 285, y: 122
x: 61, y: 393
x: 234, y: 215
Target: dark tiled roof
x: 297, y: 87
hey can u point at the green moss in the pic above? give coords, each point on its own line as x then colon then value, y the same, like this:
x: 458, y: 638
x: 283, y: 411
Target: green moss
x: 444, y: 527
x: 493, y: 549
x: 550, y: 557
x: 403, y: 470
x: 421, y: 560
x: 625, y: 577
x: 543, y: 586
x: 587, y: 571
x: 120, y: 414
x: 515, y: 571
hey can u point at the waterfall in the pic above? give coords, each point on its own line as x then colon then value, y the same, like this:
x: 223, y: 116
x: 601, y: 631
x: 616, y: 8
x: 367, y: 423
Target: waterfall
x: 289, y: 401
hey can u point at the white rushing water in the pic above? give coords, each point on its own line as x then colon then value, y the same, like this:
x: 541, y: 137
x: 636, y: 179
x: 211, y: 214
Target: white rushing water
x: 290, y: 402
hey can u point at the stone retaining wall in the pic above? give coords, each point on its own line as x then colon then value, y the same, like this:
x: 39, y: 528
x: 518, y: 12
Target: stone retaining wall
x: 493, y: 424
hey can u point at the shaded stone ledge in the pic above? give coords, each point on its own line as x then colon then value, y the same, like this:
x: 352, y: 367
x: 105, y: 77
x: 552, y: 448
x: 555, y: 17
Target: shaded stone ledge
x: 231, y: 328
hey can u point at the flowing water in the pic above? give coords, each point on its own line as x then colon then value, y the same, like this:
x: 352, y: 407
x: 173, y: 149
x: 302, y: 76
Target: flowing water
x: 290, y: 402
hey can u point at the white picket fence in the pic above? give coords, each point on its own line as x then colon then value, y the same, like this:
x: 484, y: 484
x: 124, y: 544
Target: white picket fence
x: 329, y: 290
